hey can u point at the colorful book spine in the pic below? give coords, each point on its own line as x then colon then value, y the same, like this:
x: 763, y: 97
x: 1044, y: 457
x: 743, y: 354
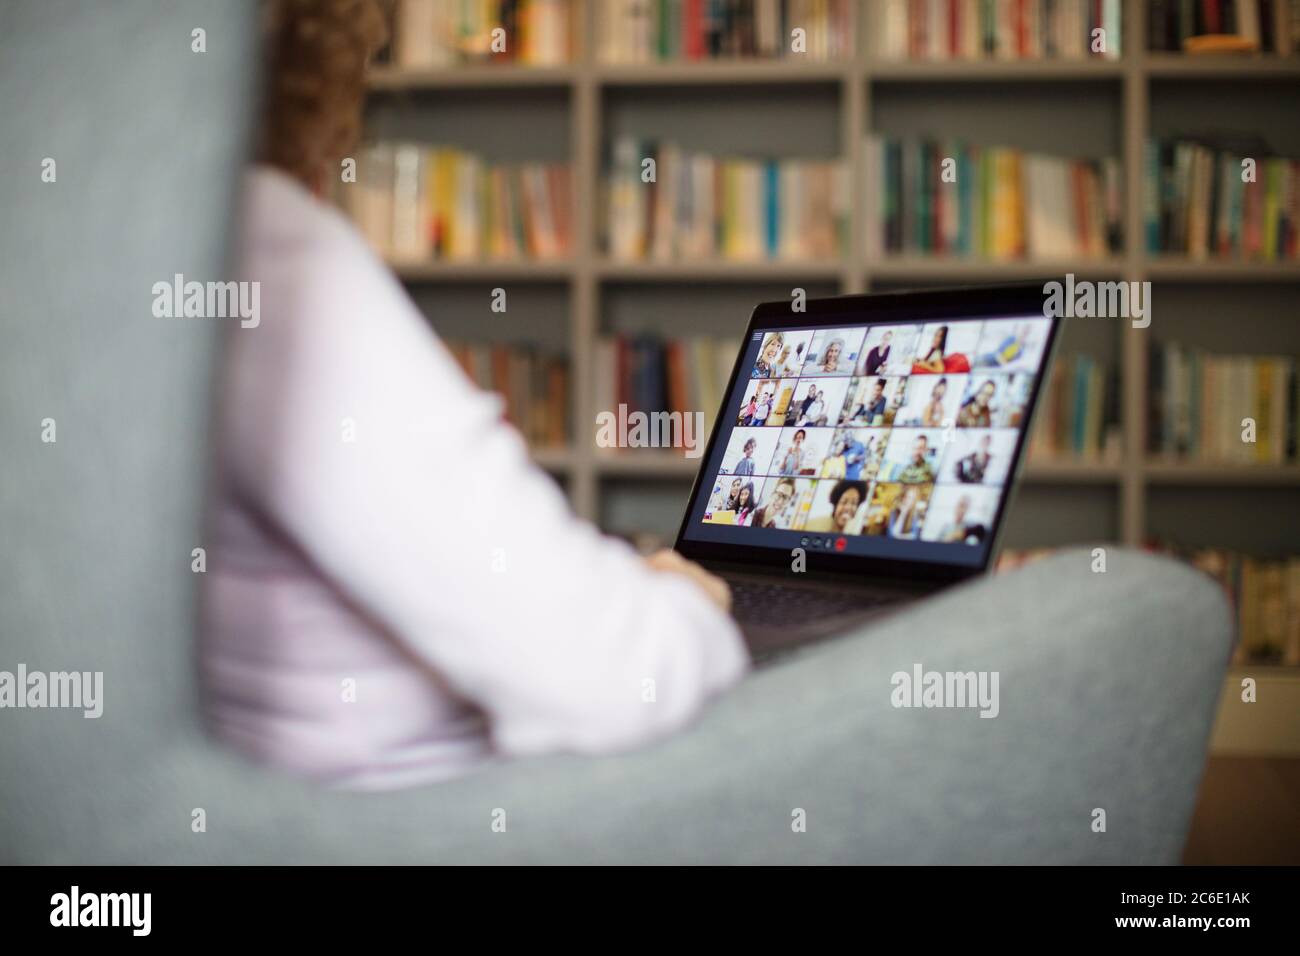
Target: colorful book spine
x: 417, y: 203
x: 1234, y: 409
x: 988, y: 202
x: 664, y: 203
x: 433, y: 34
x: 995, y: 29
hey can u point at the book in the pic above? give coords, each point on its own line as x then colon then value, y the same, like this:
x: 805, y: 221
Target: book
x: 416, y: 202
x: 650, y: 31
x: 995, y: 29
x: 1199, y: 404
x: 1000, y: 203
x: 1209, y: 27
x: 667, y: 204
x: 435, y: 34
x: 534, y: 386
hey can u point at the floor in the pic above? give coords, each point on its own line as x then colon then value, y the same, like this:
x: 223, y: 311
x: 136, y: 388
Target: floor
x: 1248, y: 811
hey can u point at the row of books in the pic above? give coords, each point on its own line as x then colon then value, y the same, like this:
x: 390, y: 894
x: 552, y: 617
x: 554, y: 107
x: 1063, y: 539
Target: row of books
x: 996, y: 29
x: 1199, y: 403
x: 1231, y: 201
x: 535, y: 386
x: 429, y: 34
x: 416, y: 202
x: 664, y: 203
x: 1264, y: 591
x: 956, y: 199
x: 644, y: 31
x: 1078, y: 413
x: 1271, y: 26
x: 650, y: 373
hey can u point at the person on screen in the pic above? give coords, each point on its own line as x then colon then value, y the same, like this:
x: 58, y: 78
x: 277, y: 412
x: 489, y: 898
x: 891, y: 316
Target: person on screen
x: 937, y: 359
x: 466, y: 625
x: 831, y: 356
x: 932, y: 415
x: 780, y: 498
x: 879, y: 355
x: 977, y: 411
x: 746, y: 464
x: 845, y: 498
x: 747, y: 413
x: 855, y: 455
x: 802, y: 414
x: 875, y: 410
x: 767, y: 355
x: 793, y: 460
x: 954, y: 532
x: 933, y: 359
x: 782, y: 368
x: 724, y: 498
x: 918, y: 470
x: 814, y: 411
x: 745, y: 505
x: 1011, y: 348
x: 764, y: 408
x: 834, y: 466
x: 972, y: 467
x: 906, y: 518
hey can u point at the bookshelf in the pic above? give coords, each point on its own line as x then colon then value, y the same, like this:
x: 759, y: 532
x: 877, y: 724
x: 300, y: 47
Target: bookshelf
x: 582, y: 103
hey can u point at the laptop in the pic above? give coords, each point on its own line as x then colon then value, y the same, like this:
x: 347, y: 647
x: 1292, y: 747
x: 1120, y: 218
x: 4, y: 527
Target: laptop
x: 865, y: 454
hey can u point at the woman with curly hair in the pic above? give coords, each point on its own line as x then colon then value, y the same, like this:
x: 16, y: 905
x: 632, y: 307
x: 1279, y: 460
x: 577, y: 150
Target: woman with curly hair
x: 395, y: 593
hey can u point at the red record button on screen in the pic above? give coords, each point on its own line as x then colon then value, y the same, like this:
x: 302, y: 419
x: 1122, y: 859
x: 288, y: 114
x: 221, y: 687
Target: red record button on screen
x: 841, y: 544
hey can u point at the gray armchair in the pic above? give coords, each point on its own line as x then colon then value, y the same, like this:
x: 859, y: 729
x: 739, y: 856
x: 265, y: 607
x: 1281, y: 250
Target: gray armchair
x: 1109, y: 686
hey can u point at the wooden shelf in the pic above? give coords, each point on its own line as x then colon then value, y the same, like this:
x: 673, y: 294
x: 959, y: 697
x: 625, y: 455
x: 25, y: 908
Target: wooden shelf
x: 723, y: 72
x: 469, y: 76
x: 558, y: 461
x: 971, y: 71
x: 1223, y: 67
x: 1175, y: 268
x: 1071, y: 472
x: 480, y: 270
x: 1197, y: 473
x: 892, y: 268
x: 720, y: 270
x: 647, y: 464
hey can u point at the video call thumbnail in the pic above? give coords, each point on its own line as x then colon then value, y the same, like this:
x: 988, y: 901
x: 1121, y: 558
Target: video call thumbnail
x: 889, y: 350
x: 946, y: 348
x: 855, y: 453
x: 979, y: 456
x: 898, y: 510
x: 782, y: 354
x: 931, y: 402
x: 912, y: 455
x: 873, y: 400
x: 838, y: 506
x: 961, y: 515
x: 833, y: 352
x: 801, y: 451
x: 749, y: 451
x: 895, y: 431
x: 817, y: 402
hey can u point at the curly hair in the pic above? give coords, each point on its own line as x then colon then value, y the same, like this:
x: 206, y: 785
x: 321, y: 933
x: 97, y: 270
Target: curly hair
x: 317, y: 51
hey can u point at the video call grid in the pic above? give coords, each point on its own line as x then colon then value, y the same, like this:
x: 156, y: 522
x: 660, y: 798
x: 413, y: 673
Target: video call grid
x: 945, y: 466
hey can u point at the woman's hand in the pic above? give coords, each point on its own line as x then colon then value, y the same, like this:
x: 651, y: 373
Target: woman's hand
x: 670, y: 562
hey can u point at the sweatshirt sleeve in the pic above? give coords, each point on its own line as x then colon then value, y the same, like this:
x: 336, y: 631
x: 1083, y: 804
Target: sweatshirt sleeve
x: 356, y: 433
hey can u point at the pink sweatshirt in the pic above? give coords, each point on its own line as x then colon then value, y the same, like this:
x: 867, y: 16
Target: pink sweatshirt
x: 394, y: 593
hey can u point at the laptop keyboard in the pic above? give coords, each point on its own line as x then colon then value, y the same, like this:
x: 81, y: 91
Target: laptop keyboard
x: 776, y: 605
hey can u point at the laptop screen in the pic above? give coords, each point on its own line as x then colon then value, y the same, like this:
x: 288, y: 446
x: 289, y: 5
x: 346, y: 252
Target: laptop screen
x: 890, y: 440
